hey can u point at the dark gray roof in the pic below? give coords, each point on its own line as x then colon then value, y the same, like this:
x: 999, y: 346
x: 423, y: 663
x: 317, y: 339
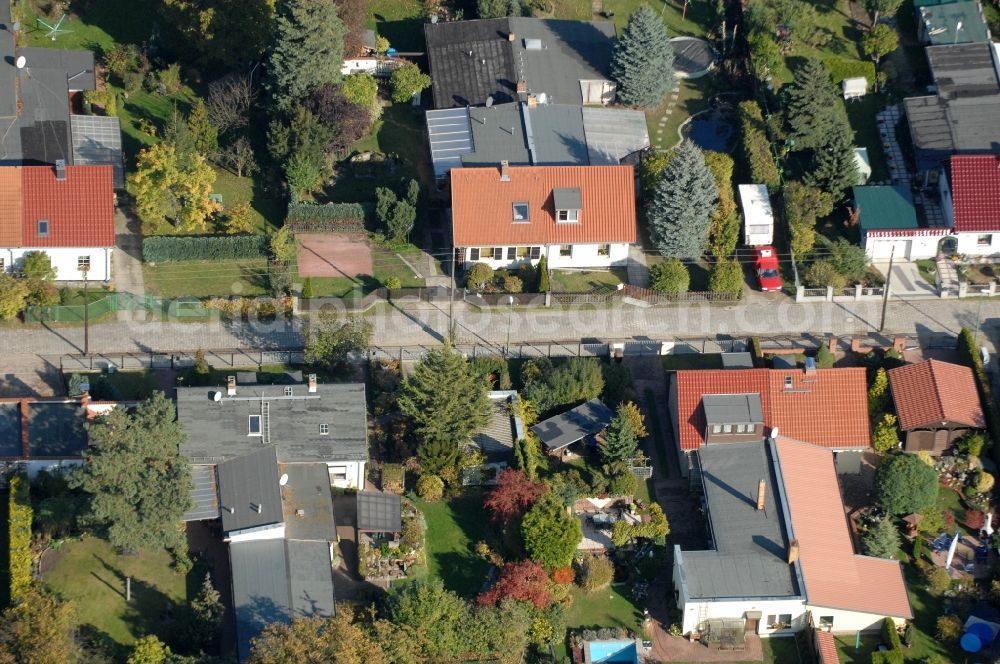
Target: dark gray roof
x: 10, y: 430
x: 941, y: 127
x: 732, y: 409
x: 8, y: 74
x: 473, y: 60
x: 217, y: 430
x: 751, y: 546
x: 783, y: 362
x: 274, y: 580
x: 584, y: 420
x: 566, y: 199
x: 496, y: 439
x: 497, y: 134
x: 379, y: 512
x: 556, y: 135
x: 55, y: 429
x: 963, y: 70
x: 248, y: 483
x: 204, y: 494
x: 737, y: 361
x: 308, y: 490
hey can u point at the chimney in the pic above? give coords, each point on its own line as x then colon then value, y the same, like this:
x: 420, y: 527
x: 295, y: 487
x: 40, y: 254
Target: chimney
x: 761, y: 494
x: 312, y: 383
x: 85, y: 401
x: 793, y: 551
x: 532, y: 101
x: 231, y: 385
x: 258, y: 508
x: 60, y: 170
x: 522, y: 86
x: 504, y: 171
x: 511, y: 37
x: 810, y: 367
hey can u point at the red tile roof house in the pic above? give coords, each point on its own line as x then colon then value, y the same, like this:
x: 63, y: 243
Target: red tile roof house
x: 65, y: 211
x: 937, y: 403
x: 826, y: 407
x: 576, y: 216
x: 970, y: 201
x: 781, y: 556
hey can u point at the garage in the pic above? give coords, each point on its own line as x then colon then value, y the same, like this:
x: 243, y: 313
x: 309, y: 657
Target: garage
x: 884, y: 248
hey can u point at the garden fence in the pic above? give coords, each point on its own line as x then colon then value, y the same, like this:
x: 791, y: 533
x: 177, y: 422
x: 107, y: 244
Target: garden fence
x: 114, y: 302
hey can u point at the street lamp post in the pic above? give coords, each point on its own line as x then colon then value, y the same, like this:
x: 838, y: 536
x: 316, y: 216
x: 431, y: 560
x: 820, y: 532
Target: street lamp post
x: 510, y: 313
x: 85, y: 268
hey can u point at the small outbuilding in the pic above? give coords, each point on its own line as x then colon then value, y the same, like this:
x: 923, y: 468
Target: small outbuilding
x: 379, y: 514
x: 937, y: 403
x: 889, y: 224
x: 854, y: 88
x: 559, y: 432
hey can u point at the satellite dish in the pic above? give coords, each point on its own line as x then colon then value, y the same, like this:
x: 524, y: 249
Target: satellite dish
x: 283, y: 480
x: 774, y: 433
x: 489, y: 101
x: 216, y: 396
x: 21, y: 62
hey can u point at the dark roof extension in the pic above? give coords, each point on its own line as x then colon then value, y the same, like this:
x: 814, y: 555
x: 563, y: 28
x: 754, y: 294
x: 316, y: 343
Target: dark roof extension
x: 218, y: 430
x: 584, y: 420
x: 247, y: 484
x: 307, y: 503
x: 379, y: 512
x: 942, y: 127
x: 732, y: 409
x: 963, y: 70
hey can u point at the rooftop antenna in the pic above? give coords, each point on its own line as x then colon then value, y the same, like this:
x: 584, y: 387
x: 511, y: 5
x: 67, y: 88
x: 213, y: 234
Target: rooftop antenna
x: 53, y: 30
x: 283, y: 480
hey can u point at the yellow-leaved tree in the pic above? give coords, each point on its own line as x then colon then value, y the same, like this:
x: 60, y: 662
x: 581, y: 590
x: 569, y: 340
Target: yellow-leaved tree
x: 171, y: 186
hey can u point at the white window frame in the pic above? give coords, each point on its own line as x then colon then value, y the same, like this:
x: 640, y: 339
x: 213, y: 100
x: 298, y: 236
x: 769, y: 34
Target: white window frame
x: 338, y: 472
x: 604, y: 250
x: 984, y: 240
x: 567, y: 216
x: 498, y: 253
x: 260, y: 429
x: 288, y: 390
x: 727, y: 428
x: 716, y: 428
x: 324, y: 429
x: 534, y: 253
x: 473, y: 253
x: 519, y: 217
x: 83, y: 263
x: 512, y: 253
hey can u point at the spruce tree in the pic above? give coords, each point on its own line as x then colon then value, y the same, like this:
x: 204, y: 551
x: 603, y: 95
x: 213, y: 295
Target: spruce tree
x: 834, y: 168
x: 620, y: 441
x: 683, y: 203
x: 308, y: 50
x: 815, y: 110
x: 643, y: 61
x: 447, y: 401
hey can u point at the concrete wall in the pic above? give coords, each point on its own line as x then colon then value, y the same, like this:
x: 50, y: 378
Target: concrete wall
x: 64, y: 260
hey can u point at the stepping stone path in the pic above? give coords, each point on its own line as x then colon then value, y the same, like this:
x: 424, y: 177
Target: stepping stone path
x: 661, y: 125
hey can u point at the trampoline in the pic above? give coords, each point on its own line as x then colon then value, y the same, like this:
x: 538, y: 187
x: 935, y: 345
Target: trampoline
x: 693, y: 57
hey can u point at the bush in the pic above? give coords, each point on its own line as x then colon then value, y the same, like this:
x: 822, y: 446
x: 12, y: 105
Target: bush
x: 841, y: 68
x: 972, y: 444
x: 393, y: 478
x: 887, y: 657
x: 329, y: 218
x: 478, y: 276
x: 19, y: 535
x: 938, y: 580
x: 596, y: 572
x: 624, y: 484
x: 984, y: 482
x: 755, y: 147
x: 727, y: 277
x: 528, y: 275
x: 974, y: 519
x: 670, y: 276
x: 825, y: 357
x: 890, y: 637
x: 969, y: 353
x: 823, y: 273
x: 949, y: 628
x: 543, y: 275
x: 904, y: 484
x: 164, y: 249
x: 430, y: 488
x: 512, y: 284
x: 563, y: 575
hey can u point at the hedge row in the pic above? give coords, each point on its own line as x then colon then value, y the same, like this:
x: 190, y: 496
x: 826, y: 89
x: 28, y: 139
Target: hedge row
x: 19, y: 534
x: 167, y: 248
x: 755, y: 147
x: 969, y: 353
x: 841, y: 68
x: 329, y: 218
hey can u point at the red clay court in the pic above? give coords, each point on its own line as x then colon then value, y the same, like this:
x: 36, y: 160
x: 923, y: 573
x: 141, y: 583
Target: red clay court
x: 333, y: 255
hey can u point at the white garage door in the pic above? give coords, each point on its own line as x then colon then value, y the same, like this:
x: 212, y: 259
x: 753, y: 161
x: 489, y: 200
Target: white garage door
x: 883, y: 249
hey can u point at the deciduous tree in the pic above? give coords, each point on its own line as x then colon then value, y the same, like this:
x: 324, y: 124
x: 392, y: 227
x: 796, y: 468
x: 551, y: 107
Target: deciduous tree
x: 38, y: 629
x: 803, y: 205
x: 880, y: 42
x: 524, y: 581
x: 550, y: 534
x: 513, y: 495
x: 682, y: 206
x: 37, y: 265
x: 308, y: 50
x: 239, y: 219
x: 434, y: 615
x: 138, y: 481
x: 348, y: 121
x: 169, y: 185
x: 149, y: 650
x: 334, y: 339
x: 643, y: 60
x: 905, y: 484
x: 362, y: 89
x: 219, y: 33
x: 239, y: 157
x: 230, y: 100
x: 878, y: 8
x: 407, y: 81
x: 13, y: 296
x: 312, y: 640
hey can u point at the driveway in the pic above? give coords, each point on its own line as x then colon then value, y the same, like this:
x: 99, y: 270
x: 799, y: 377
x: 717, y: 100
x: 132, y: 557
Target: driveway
x: 126, y: 261
x: 906, y: 279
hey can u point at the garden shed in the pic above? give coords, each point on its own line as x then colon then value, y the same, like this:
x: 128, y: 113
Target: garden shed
x: 559, y: 432
x: 854, y: 88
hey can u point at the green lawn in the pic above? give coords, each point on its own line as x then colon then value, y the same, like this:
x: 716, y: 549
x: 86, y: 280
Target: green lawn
x: 453, y: 528
x: 611, y: 607
x: 695, y: 22
x: 586, y: 281
x: 206, y: 278
x: 70, y: 296
x: 385, y: 264
x: 693, y: 96
x: 90, y: 573
x: 861, y: 114
x: 268, y: 213
x: 851, y: 655
x: 105, y: 22
x: 399, y: 21
x: 927, y: 267
x: 780, y: 650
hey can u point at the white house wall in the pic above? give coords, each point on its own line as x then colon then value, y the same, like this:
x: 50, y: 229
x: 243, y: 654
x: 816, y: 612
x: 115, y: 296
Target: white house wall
x: 583, y: 256
x: 65, y: 261
x: 968, y: 243
x: 692, y: 613
x: 257, y: 534
x: 355, y: 471
x: 850, y: 621
x: 908, y: 247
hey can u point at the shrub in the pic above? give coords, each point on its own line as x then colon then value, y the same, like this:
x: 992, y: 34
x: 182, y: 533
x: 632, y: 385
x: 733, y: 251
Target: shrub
x: 563, y: 575
x: 886, y: 436
x: 528, y: 275
x: 727, y: 277
x: 164, y: 249
x: 825, y: 357
x: 512, y: 284
x: 329, y: 218
x: 19, y: 535
x: 904, y: 484
x: 543, y: 275
x: 841, y: 68
x: 969, y: 353
x: 170, y: 78
x: 975, y: 519
x: 823, y: 273
x: 239, y: 219
x: 430, y: 488
x: 887, y: 657
x: 972, y: 444
x: 890, y: 636
x: 393, y: 478
x: 938, y: 580
x: 670, y: 276
x: 755, y: 147
x: 478, y: 276
x: 949, y: 628
x: 984, y: 482
x: 596, y: 572
x: 624, y: 484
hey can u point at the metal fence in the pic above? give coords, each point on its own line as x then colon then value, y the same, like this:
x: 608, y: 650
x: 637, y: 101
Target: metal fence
x: 113, y: 302
x: 234, y: 358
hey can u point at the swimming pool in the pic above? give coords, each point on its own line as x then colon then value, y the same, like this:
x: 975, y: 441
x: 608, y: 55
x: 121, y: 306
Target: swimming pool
x: 613, y: 652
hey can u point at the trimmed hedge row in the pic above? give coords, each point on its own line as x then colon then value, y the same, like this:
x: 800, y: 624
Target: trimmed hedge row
x: 168, y: 248
x: 841, y: 68
x: 329, y: 218
x: 969, y: 353
x: 755, y: 147
x: 19, y: 534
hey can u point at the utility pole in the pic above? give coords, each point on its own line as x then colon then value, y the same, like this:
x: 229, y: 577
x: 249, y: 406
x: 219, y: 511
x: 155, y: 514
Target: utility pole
x: 86, y: 310
x: 885, y: 294
x: 451, y: 298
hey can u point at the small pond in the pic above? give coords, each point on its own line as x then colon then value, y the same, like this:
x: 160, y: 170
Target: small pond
x: 712, y: 130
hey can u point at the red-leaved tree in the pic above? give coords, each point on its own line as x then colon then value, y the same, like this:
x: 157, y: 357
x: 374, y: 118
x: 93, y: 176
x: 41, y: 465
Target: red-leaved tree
x: 512, y: 496
x: 524, y: 581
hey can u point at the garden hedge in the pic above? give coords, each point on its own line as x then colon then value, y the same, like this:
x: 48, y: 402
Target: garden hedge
x: 755, y: 147
x: 890, y: 637
x: 329, y: 218
x: 19, y: 534
x: 969, y: 352
x: 168, y: 248
x: 841, y: 68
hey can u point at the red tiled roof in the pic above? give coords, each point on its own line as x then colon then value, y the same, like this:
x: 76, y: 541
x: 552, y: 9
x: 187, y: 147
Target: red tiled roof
x: 482, y: 205
x: 932, y: 392
x: 79, y: 209
x: 834, y: 576
x: 826, y: 647
x: 10, y: 206
x: 975, y: 192
x: 830, y: 410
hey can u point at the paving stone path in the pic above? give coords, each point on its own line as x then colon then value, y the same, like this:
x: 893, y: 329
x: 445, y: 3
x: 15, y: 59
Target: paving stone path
x: 662, y: 124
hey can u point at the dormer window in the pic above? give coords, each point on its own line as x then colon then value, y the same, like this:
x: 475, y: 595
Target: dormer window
x: 567, y: 203
x: 732, y: 417
x: 43, y: 228
x: 521, y: 213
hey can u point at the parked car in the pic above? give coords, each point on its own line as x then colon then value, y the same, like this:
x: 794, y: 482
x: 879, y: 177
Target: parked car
x: 766, y: 267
